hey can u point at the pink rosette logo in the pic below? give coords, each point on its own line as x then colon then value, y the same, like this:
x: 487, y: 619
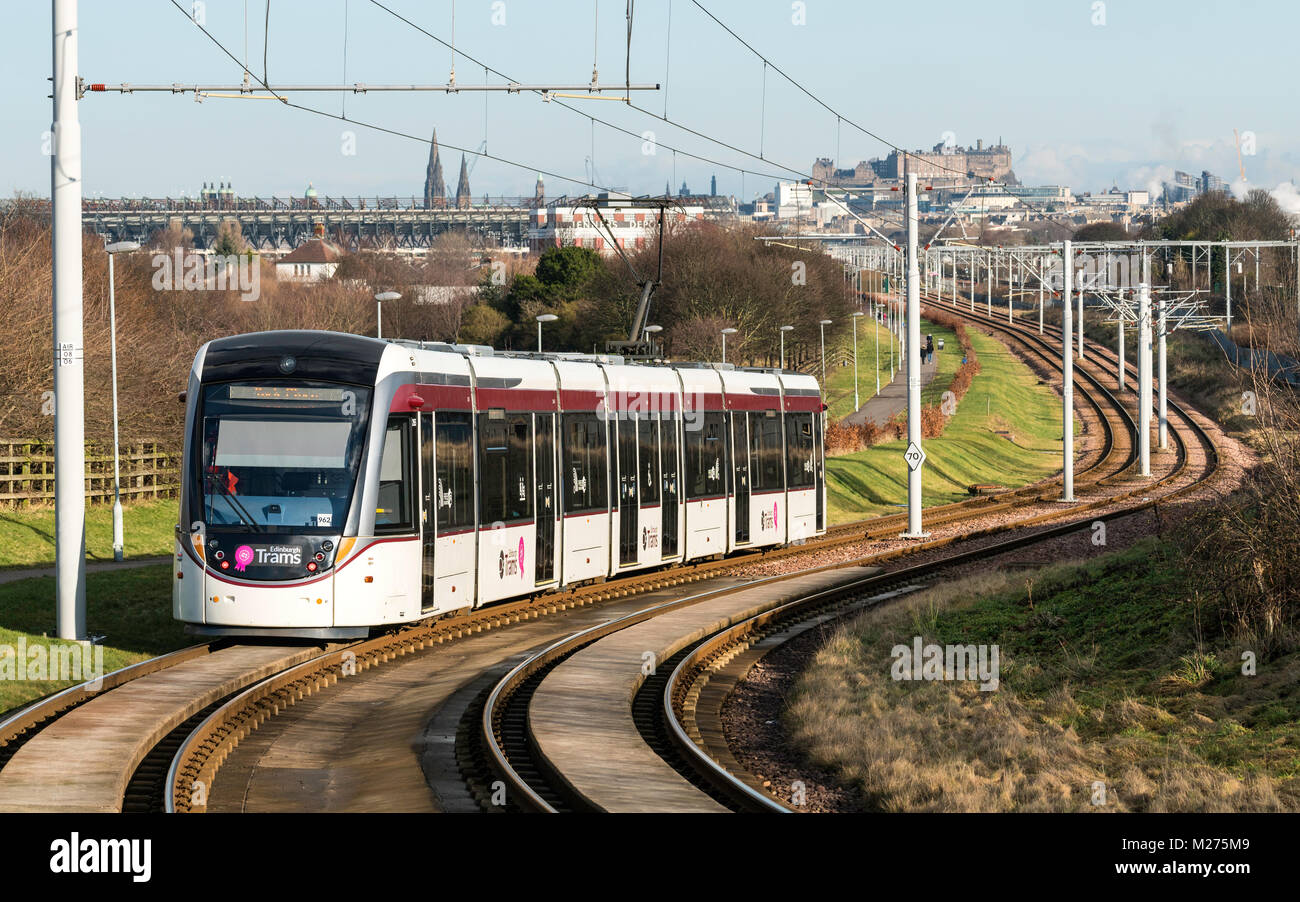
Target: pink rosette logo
x: 521, y: 557
x: 243, y: 557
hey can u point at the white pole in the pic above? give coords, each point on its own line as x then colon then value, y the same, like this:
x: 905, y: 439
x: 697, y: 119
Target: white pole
x: 1144, y: 377
x: 856, y: 402
x: 1041, y: 298
x: 1164, y: 381
x: 69, y: 353
x: 1081, y: 323
x: 1067, y: 370
x: 1227, y: 282
x: 876, y: 316
x: 1009, y: 262
x: 970, y: 275
x: 823, y: 329
x: 118, y: 541
x: 379, y: 323
x: 1120, y: 369
x: 913, y: 364
x: 988, y: 266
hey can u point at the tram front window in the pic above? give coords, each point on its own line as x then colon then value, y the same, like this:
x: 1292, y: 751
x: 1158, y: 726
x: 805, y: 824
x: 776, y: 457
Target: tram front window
x: 281, y: 456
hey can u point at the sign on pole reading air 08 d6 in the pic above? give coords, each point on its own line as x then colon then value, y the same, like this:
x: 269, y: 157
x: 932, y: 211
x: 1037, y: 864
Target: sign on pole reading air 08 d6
x: 914, y: 455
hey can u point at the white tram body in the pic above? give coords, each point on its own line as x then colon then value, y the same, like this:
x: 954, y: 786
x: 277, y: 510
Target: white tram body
x: 334, y: 483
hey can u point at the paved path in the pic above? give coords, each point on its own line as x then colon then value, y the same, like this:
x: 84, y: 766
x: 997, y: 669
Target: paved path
x: 9, y: 576
x: 892, y: 399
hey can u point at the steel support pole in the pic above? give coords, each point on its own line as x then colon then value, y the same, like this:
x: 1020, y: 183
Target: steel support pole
x: 1009, y: 264
x: 1067, y: 381
x: 988, y: 266
x: 69, y: 353
x: 1163, y: 374
x: 875, y: 314
x: 118, y: 538
x: 1081, y: 323
x: 1227, y: 283
x: 1120, y: 374
x: 1041, y: 297
x: 913, y: 363
x: 856, y: 403
x: 970, y: 273
x: 1144, y: 378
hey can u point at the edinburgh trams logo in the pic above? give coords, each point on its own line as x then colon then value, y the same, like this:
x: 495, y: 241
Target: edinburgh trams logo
x: 511, y: 563
x: 767, y: 519
x: 274, y: 555
x: 649, y: 537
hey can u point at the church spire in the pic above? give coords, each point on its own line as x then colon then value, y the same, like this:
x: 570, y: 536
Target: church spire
x: 462, y: 189
x: 435, y: 188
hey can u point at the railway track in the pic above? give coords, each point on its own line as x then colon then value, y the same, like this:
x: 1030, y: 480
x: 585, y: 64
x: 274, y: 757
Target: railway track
x: 175, y: 767
x: 678, y: 713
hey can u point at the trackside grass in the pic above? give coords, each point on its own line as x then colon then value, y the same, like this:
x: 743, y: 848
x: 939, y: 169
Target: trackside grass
x: 1110, y: 698
x: 1007, y: 430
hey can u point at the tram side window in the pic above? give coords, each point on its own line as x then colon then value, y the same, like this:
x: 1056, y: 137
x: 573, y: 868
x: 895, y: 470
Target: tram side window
x: 800, y: 438
x: 396, y: 479
x: 765, y: 450
x: 706, y: 447
x: 505, y: 467
x: 584, y: 463
x: 647, y: 430
x: 454, y: 466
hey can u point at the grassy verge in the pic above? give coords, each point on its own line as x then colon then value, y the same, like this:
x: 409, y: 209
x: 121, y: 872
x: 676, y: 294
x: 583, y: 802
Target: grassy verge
x: 131, y: 609
x: 1006, y: 397
x: 1105, y: 681
x: 27, y: 537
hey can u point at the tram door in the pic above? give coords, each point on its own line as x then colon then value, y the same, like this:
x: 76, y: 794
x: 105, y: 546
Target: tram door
x: 627, y: 494
x: 428, y: 512
x: 547, y: 503
x: 669, y: 452
x: 819, y: 445
x: 740, y: 462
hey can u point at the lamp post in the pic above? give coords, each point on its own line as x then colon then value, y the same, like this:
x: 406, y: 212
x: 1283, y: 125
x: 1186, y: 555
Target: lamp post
x: 823, y: 323
x: 543, y: 318
x: 379, y: 310
x: 115, y: 248
x: 784, y: 329
x: 856, y: 403
x: 725, y: 333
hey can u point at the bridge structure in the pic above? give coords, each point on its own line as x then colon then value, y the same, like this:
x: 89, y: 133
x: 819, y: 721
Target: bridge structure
x: 276, y: 223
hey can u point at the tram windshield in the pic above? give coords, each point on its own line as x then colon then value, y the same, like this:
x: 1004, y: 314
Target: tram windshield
x: 280, y: 456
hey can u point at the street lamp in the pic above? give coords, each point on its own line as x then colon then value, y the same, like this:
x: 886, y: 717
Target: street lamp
x: 725, y: 333
x: 823, y: 324
x: 379, y: 310
x: 856, y: 402
x: 784, y: 329
x: 543, y: 318
x: 116, y: 247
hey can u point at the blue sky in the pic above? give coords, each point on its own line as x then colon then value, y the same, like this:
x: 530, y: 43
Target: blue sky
x: 1160, y: 85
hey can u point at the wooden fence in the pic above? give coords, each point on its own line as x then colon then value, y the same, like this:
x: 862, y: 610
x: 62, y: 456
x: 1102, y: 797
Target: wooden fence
x: 27, y: 473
